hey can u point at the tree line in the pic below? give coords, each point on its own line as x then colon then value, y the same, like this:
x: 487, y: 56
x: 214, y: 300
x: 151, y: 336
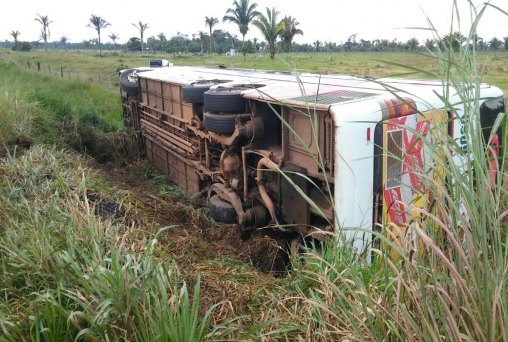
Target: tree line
x: 278, y: 34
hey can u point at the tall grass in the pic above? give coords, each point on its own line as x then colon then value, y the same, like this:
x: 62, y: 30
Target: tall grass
x: 448, y: 281
x: 68, y: 113
x: 16, y: 112
x: 67, y: 274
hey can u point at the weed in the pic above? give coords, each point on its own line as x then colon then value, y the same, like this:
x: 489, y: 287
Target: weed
x: 67, y: 274
x: 449, y: 282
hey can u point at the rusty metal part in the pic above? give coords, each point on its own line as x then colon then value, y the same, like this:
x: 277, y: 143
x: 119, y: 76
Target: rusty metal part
x: 229, y: 164
x: 267, y: 201
x: 256, y: 216
x: 229, y: 195
x: 235, y: 183
x: 253, y: 216
x: 245, y: 178
x: 177, y: 167
x: 295, y: 209
x: 252, y: 129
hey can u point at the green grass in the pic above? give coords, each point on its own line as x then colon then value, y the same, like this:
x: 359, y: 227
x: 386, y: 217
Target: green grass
x: 67, y: 113
x: 90, y: 66
x: 66, y: 273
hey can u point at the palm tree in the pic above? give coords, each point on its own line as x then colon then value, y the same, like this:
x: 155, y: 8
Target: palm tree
x: 242, y: 13
x: 141, y: 28
x: 161, y: 41
x: 270, y: 28
x: 162, y: 37
x: 63, y: 41
x: 290, y: 31
x: 211, y: 22
x: 15, y: 35
x: 44, y: 21
x: 317, y: 44
x: 202, y: 36
x: 98, y: 23
x: 453, y: 40
x: 114, y: 37
x: 495, y: 44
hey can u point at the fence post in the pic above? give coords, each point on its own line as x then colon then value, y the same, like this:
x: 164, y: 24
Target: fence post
x: 61, y: 72
x: 28, y: 62
x: 109, y: 81
x: 38, y: 66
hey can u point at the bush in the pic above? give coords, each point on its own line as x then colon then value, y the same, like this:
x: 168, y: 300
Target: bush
x: 22, y: 46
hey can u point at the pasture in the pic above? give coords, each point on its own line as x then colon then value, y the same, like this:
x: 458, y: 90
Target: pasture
x: 493, y: 66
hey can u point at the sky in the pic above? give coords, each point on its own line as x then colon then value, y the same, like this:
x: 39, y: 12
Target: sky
x: 324, y: 20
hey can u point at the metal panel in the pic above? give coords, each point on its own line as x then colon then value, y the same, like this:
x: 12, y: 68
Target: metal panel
x: 295, y: 208
x: 180, y: 170
x: 187, y: 112
x: 333, y: 97
x: 175, y: 92
x: 166, y: 91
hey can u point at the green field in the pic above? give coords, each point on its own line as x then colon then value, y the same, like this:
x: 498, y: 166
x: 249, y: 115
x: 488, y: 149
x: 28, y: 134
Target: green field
x: 160, y: 269
x: 493, y: 66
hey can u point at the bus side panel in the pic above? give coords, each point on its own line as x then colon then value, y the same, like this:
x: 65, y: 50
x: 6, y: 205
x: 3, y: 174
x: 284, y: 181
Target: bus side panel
x: 409, y: 167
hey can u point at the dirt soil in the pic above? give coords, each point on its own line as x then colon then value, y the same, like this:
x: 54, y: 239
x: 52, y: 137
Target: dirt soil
x: 230, y: 268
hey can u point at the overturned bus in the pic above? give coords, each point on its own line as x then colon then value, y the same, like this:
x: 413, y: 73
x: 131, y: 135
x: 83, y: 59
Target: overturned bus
x: 301, y: 154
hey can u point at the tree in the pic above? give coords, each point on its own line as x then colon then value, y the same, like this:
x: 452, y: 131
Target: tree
x: 141, y: 28
x: 45, y: 33
x: 270, y: 28
x: 290, y: 30
x: 133, y: 44
x: 242, y: 14
x: 430, y: 44
x: 98, y: 23
x: 15, y: 35
x: 495, y: 44
x: 152, y: 43
x: 412, y: 44
x: 160, y: 42
x: 452, y: 41
x: 63, y: 41
x: 211, y: 22
x: 202, y: 36
x: 162, y: 37
x: 248, y: 47
x: 22, y: 46
x: 86, y: 44
x: 317, y: 44
x: 114, y: 37
x: 220, y: 41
